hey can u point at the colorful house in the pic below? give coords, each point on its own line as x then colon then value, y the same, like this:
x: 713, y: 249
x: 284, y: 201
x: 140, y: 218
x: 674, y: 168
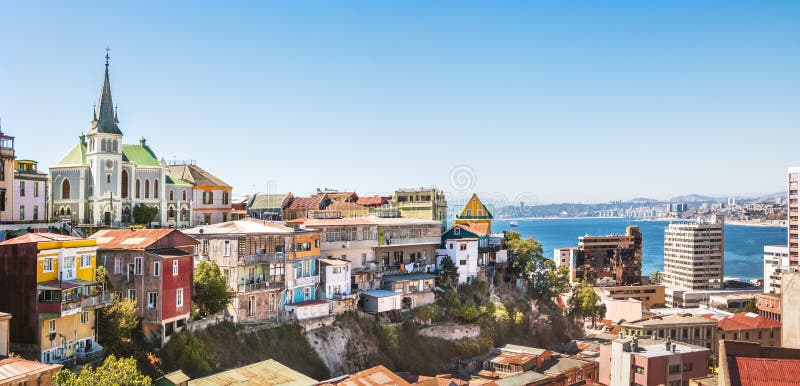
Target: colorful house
x: 423, y: 203
x: 300, y: 206
x: 29, y: 192
x: 475, y: 212
x: 155, y: 268
x: 211, y: 195
x: 473, y: 225
x: 49, y: 285
x: 300, y: 300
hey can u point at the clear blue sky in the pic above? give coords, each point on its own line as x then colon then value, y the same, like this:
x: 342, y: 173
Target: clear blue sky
x: 562, y: 101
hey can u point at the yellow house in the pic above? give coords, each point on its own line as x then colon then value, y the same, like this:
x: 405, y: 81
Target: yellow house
x: 475, y: 212
x: 60, y: 271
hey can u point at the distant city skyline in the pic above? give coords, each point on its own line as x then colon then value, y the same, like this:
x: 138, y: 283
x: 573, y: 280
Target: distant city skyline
x: 535, y: 102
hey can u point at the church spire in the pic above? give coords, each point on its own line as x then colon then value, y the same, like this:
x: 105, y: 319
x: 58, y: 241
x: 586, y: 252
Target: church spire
x: 105, y: 117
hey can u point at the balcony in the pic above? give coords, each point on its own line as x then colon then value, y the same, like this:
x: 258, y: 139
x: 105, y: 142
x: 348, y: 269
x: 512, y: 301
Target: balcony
x: 303, y: 281
x: 260, y: 286
x: 413, y: 241
x: 262, y: 258
x: 75, y: 305
x: 345, y: 296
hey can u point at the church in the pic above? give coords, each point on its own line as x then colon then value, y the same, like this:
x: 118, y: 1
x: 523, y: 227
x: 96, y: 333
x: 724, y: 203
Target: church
x: 101, y: 180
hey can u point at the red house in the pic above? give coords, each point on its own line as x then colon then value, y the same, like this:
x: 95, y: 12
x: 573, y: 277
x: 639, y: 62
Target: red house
x: 155, y: 268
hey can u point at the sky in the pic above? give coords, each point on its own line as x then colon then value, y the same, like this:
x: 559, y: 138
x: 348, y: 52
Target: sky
x: 535, y: 101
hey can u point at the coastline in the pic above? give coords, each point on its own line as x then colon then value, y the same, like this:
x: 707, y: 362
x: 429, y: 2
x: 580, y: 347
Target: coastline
x: 770, y: 224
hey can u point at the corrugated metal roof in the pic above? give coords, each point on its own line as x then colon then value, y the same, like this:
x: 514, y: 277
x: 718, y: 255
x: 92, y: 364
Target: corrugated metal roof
x: 269, y: 372
x: 39, y: 237
x: 410, y: 276
x: 380, y: 293
x: 134, y: 239
x: 765, y: 372
x: 15, y: 368
x: 375, y: 376
x: 746, y: 321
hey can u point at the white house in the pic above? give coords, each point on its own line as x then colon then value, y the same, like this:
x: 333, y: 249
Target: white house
x: 464, y: 253
x: 334, y: 278
x: 381, y: 300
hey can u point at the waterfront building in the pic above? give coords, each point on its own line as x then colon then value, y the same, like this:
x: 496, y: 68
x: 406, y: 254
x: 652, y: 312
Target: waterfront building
x: 377, y: 246
x: 49, y: 286
x: 266, y: 206
x: 645, y: 361
x: 682, y: 327
x: 651, y: 295
x: 211, y: 197
x: 153, y: 267
x: 272, y: 268
x: 7, y: 156
x: 101, y: 179
x: 793, y: 216
x: 694, y: 255
x: 749, y: 327
x: 30, y: 192
x: 776, y: 261
x: 605, y: 260
x: 422, y: 203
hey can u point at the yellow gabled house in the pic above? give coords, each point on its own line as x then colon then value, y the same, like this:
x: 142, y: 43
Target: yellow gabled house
x: 475, y: 212
x: 50, y: 286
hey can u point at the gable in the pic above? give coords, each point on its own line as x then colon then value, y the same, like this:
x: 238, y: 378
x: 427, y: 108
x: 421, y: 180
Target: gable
x: 475, y: 209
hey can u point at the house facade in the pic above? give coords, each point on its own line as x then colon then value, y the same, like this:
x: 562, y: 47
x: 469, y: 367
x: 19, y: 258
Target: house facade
x: 211, y: 197
x: 647, y: 362
x: 423, y: 204
x: 50, y: 288
x: 30, y: 192
x: 153, y: 267
x: 6, y: 177
x: 462, y: 250
x: 265, y: 206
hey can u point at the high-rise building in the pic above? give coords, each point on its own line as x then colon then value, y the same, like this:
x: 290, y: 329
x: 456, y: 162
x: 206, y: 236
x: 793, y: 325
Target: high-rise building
x: 794, y: 178
x: 776, y: 261
x: 694, y: 254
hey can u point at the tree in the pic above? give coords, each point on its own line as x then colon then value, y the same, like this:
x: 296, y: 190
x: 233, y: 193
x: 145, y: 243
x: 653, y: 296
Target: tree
x: 117, y: 322
x: 114, y: 371
x: 585, y: 303
x: 448, y: 273
x: 750, y: 307
x: 655, y: 277
x: 539, y: 273
x: 143, y: 214
x: 211, y: 292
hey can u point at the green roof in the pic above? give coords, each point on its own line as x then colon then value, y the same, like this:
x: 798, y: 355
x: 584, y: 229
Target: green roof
x: 176, y: 181
x: 141, y: 155
x: 76, y: 155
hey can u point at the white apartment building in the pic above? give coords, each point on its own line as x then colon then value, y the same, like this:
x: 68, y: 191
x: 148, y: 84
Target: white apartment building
x: 776, y: 261
x: 464, y: 254
x: 694, y: 255
x: 794, y: 222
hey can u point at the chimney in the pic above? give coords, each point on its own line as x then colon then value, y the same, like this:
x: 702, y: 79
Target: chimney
x: 143, y: 141
x: 674, y: 348
x: 668, y: 343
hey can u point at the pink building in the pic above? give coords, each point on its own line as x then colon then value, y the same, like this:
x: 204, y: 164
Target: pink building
x: 29, y: 192
x: 632, y: 361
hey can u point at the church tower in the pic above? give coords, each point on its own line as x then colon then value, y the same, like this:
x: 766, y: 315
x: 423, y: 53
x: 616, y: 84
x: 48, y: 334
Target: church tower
x: 104, y: 158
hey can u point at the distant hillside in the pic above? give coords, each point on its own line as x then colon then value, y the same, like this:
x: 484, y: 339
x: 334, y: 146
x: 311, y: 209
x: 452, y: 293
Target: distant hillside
x: 694, y: 198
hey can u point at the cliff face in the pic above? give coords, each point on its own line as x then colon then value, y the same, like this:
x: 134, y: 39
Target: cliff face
x: 344, y: 349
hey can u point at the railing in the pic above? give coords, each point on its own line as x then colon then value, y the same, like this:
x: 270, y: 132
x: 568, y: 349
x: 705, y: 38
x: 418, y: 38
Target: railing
x: 74, y: 306
x: 262, y: 258
x: 345, y: 296
x: 414, y: 240
x: 260, y: 286
x: 305, y: 281
x: 89, y: 357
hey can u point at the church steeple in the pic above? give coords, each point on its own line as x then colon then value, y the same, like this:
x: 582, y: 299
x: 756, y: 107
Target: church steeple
x: 105, y: 117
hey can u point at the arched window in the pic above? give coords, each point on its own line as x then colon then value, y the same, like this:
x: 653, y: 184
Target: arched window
x: 62, y: 211
x: 155, y: 188
x: 171, y: 212
x: 171, y: 195
x: 65, y: 190
x: 184, y: 214
x: 184, y: 196
x: 124, y: 193
x: 138, y: 188
x: 146, y: 188
x: 126, y: 214
x: 69, y: 211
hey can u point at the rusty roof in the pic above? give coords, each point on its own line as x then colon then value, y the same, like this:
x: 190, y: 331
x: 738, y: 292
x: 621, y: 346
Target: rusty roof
x: 18, y: 369
x: 374, y: 376
x: 764, y: 371
x: 312, y: 202
x: 746, y: 321
x: 268, y: 373
x: 39, y: 237
x: 133, y: 239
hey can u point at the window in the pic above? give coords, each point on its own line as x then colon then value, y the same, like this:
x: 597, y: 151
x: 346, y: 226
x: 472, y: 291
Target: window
x: 84, y: 317
x: 22, y: 213
x: 224, y: 217
x: 52, y: 325
x: 155, y: 188
x: 48, y: 265
x: 174, y: 267
x: 207, y: 219
x: 65, y: 190
x: 639, y: 370
x: 450, y: 246
x: 462, y: 262
x: 137, y: 265
x: 152, y: 300
x: 146, y: 188
x: 22, y: 188
x: 86, y: 261
x: 118, y: 266
x: 183, y: 195
x: 108, y: 178
x: 35, y: 212
x: 674, y: 369
x: 457, y: 231
x: 171, y: 195
x: 469, y: 213
x: 156, y: 268
x: 687, y: 366
x: 132, y: 294
x: 226, y: 251
x: 179, y: 298
x: 251, y: 306
x: 225, y: 198
x: 747, y: 335
x: 124, y: 192
x: 306, y: 293
x: 462, y: 247
x: 138, y: 191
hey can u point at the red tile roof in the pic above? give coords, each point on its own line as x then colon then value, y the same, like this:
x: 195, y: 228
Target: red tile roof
x: 371, y: 201
x: 133, y: 238
x: 306, y: 202
x: 39, y: 237
x: 746, y: 321
x: 765, y: 372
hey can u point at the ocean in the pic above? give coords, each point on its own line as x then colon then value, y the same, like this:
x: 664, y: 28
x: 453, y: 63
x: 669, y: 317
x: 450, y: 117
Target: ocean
x: 744, y: 245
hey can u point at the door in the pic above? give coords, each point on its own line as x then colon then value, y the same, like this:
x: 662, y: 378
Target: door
x: 107, y: 218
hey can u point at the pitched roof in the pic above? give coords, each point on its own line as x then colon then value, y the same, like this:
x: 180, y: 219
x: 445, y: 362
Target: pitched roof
x: 195, y: 175
x: 676, y: 319
x: 245, y: 226
x: 375, y: 376
x: 141, y: 155
x: 560, y: 365
x: 134, y: 239
x: 478, y: 228
x: 76, y: 155
x: 379, y: 293
x: 268, y: 373
x: 173, y: 378
x: 473, y: 205
x: 764, y: 371
x: 347, y: 206
x: 104, y: 119
x: 312, y: 202
x: 175, y: 181
x: 12, y: 369
x: 746, y: 321
x: 371, y: 201
x: 268, y: 201
x: 524, y: 378
x: 39, y: 237
x: 369, y: 220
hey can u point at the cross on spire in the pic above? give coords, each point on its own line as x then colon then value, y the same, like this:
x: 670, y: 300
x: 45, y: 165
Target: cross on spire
x: 108, y: 50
